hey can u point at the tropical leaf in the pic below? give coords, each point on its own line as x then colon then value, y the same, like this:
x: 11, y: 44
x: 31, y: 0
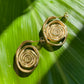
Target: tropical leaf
x: 65, y: 65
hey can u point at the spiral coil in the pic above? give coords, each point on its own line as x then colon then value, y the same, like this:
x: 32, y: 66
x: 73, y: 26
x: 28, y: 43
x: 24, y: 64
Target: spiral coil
x: 54, y: 31
x: 27, y: 57
x: 52, y: 35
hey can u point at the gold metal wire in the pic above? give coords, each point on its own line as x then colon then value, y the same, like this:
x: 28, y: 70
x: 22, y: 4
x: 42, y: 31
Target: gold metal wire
x: 27, y: 57
x: 54, y: 31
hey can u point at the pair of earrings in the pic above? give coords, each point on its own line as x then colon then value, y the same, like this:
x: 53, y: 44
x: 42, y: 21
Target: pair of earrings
x: 52, y: 35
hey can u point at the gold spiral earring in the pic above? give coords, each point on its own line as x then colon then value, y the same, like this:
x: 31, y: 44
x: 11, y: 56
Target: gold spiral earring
x: 27, y: 57
x: 52, y: 35
x: 54, y: 32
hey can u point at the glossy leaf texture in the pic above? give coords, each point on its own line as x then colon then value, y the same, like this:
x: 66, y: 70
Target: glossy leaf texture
x: 63, y: 66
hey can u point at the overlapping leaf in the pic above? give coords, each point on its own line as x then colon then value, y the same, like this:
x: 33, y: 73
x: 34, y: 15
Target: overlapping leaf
x: 65, y: 65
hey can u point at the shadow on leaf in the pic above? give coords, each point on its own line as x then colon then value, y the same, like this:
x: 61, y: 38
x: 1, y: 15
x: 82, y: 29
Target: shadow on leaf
x: 10, y: 10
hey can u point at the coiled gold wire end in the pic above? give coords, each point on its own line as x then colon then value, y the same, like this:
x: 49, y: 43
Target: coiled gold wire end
x: 27, y: 57
x: 54, y: 31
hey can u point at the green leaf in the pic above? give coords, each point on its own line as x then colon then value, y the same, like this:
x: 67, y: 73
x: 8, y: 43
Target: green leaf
x: 65, y: 65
